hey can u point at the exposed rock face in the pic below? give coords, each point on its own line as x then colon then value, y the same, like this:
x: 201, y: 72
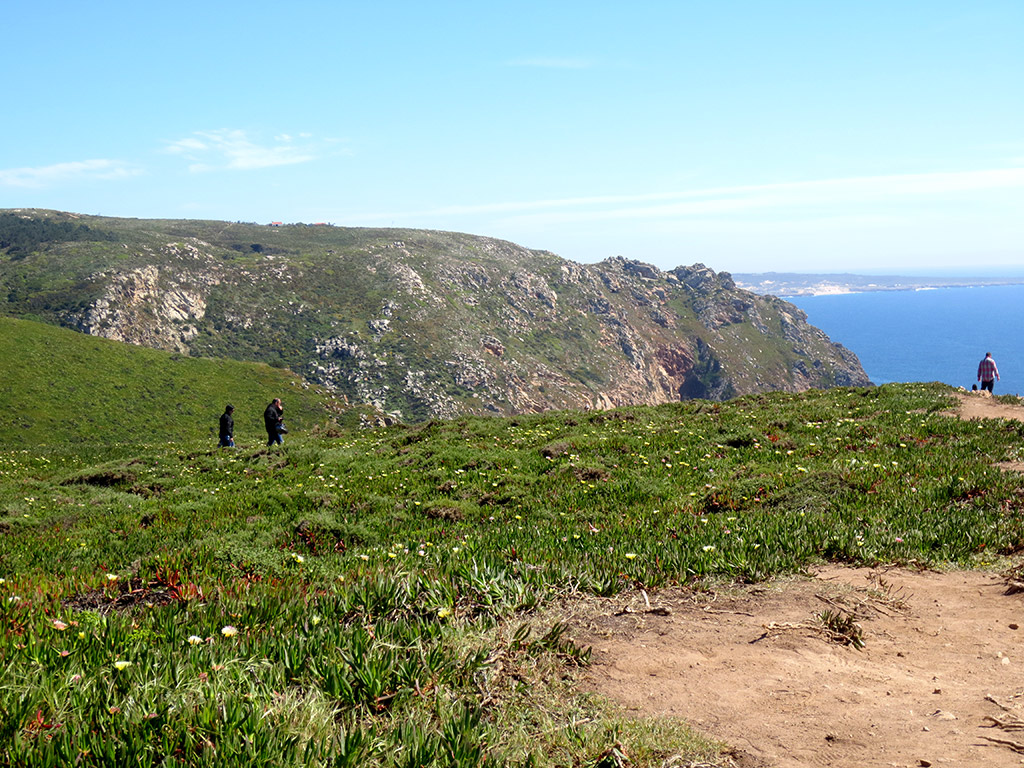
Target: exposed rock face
x: 138, y: 307
x: 436, y: 324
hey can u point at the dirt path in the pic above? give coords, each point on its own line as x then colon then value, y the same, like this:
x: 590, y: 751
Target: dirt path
x: 978, y: 405
x: 981, y: 405
x: 942, y: 664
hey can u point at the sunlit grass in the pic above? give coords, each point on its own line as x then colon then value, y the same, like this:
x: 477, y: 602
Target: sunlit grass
x: 362, y: 599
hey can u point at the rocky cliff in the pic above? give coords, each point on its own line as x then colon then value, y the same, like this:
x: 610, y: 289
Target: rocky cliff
x: 423, y: 324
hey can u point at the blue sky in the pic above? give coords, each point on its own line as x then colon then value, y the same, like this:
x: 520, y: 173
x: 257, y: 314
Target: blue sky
x: 750, y: 136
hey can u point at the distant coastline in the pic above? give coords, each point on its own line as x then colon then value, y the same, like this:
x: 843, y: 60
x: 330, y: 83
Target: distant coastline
x: 791, y: 284
x: 928, y: 334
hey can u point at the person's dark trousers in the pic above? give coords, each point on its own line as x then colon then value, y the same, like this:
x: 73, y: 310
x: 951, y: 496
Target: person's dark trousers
x: 988, y: 384
x: 274, y: 437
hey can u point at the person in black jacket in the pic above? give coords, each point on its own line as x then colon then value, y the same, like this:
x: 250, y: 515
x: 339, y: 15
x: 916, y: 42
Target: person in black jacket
x: 273, y: 421
x: 227, y: 428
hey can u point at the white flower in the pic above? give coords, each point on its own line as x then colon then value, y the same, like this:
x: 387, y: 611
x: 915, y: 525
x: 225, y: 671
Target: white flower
x: 229, y: 631
x: 194, y: 640
x: 111, y: 577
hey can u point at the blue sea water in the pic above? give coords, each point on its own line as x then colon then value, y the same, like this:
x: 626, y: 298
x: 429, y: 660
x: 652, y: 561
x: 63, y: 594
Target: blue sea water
x: 928, y: 335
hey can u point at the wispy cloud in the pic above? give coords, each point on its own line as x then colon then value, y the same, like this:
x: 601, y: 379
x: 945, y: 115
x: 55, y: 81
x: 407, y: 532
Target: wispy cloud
x: 61, y: 173
x: 726, y: 200
x: 809, y: 194
x: 234, y: 150
x: 552, y: 62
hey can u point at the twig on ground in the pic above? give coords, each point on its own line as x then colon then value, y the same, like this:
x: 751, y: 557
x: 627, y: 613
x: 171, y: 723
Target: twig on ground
x: 1012, y: 723
x: 1016, y: 746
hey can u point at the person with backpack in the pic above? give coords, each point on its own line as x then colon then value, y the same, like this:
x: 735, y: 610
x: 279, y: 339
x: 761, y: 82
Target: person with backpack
x: 227, y: 428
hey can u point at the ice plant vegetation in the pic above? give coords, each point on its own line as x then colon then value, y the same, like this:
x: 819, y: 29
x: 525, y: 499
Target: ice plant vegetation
x: 420, y: 628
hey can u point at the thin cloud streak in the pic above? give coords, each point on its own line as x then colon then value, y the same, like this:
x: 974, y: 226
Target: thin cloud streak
x: 719, y: 200
x: 62, y: 173
x: 815, y: 194
x: 233, y: 150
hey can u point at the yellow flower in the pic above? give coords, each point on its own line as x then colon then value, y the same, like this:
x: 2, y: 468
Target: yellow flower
x: 111, y: 577
x: 119, y: 665
x: 630, y: 555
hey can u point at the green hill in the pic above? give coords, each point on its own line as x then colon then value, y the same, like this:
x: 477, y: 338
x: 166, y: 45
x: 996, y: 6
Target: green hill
x: 428, y: 324
x: 66, y: 387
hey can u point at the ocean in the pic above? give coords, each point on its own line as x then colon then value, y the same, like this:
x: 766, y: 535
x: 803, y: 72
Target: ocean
x: 928, y: 335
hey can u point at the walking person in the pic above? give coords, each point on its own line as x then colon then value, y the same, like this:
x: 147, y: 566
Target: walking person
x: 988, y: 374
x: 227, y: 428
x: 273, y: 420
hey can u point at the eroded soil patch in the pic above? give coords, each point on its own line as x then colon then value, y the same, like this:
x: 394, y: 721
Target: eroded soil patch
x: 123, y: 597
x: 981, y: 405
x: 942, y: 664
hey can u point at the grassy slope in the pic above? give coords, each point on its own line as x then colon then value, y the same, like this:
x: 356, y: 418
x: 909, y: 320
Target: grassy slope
x: 373, y: 581
x: 284, y: 290
x: 65, y: 387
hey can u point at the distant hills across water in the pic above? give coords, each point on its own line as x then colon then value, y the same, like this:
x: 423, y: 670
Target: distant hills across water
x: 790, y: 284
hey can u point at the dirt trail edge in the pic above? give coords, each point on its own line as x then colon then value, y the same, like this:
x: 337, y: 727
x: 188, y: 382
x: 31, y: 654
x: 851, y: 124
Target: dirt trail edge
x: 939, y: 681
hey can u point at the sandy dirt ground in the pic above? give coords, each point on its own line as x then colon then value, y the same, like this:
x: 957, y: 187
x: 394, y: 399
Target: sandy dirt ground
x: 980, y: 405
x: 939, y: 680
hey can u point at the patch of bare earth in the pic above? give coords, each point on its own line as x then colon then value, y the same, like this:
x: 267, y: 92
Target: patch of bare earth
x: 981, y: 405
x: 939, y: 680
x: 942, y: 663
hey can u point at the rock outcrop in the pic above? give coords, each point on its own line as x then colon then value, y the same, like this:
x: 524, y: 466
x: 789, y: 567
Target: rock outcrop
x: 429, y: 324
